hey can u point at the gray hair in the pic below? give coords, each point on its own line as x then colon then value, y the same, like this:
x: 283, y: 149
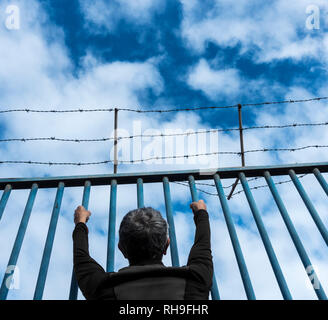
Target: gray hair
x: 143, y: 235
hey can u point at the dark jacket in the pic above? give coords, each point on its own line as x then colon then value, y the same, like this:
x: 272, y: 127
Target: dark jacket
x: 149, y: 279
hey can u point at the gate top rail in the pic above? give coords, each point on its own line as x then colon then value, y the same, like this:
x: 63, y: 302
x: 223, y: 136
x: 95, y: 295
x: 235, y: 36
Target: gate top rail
x: 157, y: 176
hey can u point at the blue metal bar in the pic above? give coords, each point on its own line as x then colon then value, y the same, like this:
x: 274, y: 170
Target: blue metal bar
x: 111, y: 227
x: 18, y: 241
x: 265, y: 239
x: 194, y: 196
x: 292, y: 231
x: 85, y: 203
x: 315, y: 216
x: 234, y: 239
x: 49, y: 243
x: 4, y: 199
x: 149, y: 177
x: 169, y: 215
x: 193, y: 190
x: 140, y: 196
x: 321, y: 180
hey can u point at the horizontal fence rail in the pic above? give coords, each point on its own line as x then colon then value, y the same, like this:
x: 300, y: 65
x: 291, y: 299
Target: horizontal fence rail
x: 189, y: 176
x: 131, y: 178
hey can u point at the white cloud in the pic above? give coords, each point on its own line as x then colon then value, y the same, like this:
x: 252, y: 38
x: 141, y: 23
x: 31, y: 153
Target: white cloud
x: 276, y: 30
x: 214, y: 83
x: 104, y: 16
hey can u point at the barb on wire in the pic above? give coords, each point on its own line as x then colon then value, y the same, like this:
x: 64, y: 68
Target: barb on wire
x: 140, y: 110
x: 55, y: 139
x: 51, y: 163
x: 158, y: 158
x: 293, y: 125
x: 201, y: 190
x: 265, y: 185
x: 286, y: 149
x: 284, y: 101
x: 224, y: 187
x: 225, y: 153
x: 78, y: 140
x: 27, y: 110
x: 241, y: 191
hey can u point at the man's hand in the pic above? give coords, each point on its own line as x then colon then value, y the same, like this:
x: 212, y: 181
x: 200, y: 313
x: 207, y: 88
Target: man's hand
x: 81, y: 215
x: 199, y: 205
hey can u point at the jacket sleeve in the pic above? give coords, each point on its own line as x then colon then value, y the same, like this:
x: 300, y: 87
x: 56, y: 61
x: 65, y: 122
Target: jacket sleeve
x: 200, y: 256
x: 89, y: 274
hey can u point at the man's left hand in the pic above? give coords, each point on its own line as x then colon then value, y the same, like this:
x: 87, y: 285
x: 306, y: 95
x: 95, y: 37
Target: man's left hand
x: 81, y: 215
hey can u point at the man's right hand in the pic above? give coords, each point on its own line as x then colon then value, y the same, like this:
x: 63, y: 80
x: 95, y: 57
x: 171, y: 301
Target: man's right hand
x: 199, y: 205
x: 81, y: 215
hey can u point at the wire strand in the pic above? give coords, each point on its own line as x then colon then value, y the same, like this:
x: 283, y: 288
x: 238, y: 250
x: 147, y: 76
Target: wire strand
x: 265, y: 185
x: 140, y: 110
x: 78, y: 140
x: 157, y: 158
x: 241, y: 191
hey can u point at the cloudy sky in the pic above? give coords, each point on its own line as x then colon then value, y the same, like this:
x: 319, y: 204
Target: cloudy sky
x: 143, y: 54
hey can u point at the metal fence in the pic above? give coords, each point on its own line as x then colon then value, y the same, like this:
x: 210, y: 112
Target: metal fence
x: 217, y: 175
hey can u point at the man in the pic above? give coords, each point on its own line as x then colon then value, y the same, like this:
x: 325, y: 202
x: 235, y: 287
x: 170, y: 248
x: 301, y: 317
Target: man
x: 143, y: 239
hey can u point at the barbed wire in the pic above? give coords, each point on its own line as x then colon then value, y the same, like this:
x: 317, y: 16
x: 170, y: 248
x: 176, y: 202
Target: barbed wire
x: 241, y: 191
x: 285, y: 149
x: 139, y: 110
x: 27, y: 110
x: 78, y: 140
x: 265, y: 185
x: 56, y: 139
x: 198, y: 189
x: 158, y: 158
x: 51, y: 163
x: 224, y: 187
x: 283, y: 102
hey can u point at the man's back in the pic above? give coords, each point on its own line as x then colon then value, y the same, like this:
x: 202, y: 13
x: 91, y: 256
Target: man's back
x: 148, y: 279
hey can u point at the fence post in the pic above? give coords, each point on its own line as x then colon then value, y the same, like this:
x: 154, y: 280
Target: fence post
x: 241, y: 138
x: 38, y: 293
x: 115, y: 139
x: 140, y: 195
x: 234, y: 240
x: 194, y: 196
x: 265, y: 239
x: 170, y: 220
x: 321, y: 180
x: 315, y: 216
x: 4, y: 199
x: 18, y: 241
x: 293, y: 234
x: 85, y: 203
x: 111, y: 227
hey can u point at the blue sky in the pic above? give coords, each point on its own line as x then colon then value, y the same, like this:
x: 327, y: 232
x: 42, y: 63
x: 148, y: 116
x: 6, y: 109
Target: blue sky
x: 126, y: 39
x: 163, y: 54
